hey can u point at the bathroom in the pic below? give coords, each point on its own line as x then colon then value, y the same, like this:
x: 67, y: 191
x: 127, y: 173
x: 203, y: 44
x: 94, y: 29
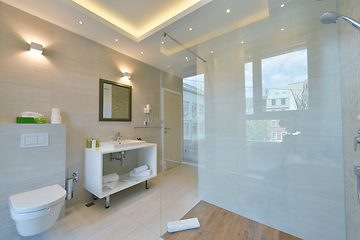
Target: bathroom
x: 309, y: 191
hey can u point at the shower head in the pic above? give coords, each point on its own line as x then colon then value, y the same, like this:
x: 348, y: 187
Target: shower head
x: 332, y: 17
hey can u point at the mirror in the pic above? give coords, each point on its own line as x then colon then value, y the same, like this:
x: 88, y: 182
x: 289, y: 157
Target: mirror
x: 114, y: 101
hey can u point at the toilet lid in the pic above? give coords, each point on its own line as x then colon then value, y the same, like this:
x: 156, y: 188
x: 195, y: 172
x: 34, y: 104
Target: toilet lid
x: 37, y: 199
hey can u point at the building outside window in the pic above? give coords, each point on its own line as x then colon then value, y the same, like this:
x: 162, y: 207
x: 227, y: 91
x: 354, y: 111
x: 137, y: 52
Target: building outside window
x: 201, y: 109
x: 274, y: 135
x: 194, y: 109
x: 194, y: 128
x: 273, y: 123
x: 185, y: 108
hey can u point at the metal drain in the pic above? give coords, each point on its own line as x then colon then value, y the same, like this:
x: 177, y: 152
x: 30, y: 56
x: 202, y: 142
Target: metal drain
x: 90, y: 204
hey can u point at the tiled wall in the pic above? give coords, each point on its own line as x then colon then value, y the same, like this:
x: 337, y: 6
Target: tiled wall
x: 26, y: 169
x: 67, y: 76
x: 295, y: 185
x: 350, y: 83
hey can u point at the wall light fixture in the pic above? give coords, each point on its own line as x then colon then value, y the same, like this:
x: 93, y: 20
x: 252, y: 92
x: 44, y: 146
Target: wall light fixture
x: 36, y: 47
x: 126, y: 75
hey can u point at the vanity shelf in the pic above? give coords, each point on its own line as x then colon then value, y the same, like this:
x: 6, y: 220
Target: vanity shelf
x: 94, y: 158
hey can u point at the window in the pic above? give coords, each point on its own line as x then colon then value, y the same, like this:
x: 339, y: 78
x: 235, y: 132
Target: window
x: 249, y: 88
x: 185, y: 108
x: 194, y: 128
x: 201, y: 128
x: 283, y: 134
x: 285, y: 78
x: 273, y: 123
x: 201, y: 109
x: 274, y: 135
x: 186, y: 128
x: 194, y: 109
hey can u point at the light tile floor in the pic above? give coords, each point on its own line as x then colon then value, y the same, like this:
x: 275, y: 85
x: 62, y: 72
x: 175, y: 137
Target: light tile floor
x: 135, y: 213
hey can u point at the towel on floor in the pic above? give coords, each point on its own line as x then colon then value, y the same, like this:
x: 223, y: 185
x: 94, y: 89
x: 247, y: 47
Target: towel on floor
x: 113, y: 177
x: 109, y: 186
x: 183, y: 225
x: 145, y: 173
x: 140, y: 169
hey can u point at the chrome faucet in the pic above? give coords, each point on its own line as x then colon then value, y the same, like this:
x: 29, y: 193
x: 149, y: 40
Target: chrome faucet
x: 118, y: 136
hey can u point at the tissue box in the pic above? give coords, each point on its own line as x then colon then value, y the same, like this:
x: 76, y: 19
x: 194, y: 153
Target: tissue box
x: 30, y: 120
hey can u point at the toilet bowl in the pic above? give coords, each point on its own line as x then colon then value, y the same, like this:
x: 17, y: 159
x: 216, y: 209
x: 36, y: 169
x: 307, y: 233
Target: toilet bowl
x: 36, y: 211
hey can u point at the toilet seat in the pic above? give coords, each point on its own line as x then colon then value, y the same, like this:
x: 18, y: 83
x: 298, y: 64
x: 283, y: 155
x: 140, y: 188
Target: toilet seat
x: 36, y: 200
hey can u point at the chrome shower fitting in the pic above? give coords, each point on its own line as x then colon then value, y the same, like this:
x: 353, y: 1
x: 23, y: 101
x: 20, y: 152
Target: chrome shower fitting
x: 332, y: 17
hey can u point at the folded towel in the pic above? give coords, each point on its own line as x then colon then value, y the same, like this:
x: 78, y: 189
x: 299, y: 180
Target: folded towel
x: 145, y: 173
x: 109, y: 186
x: 113, y: 177
x: 140, y: 169
x: 183, y: 225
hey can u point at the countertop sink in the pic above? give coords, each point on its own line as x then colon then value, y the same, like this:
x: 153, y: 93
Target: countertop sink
x: 121, y: 144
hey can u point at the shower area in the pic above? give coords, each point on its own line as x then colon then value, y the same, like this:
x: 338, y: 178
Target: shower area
x: 270, y: 131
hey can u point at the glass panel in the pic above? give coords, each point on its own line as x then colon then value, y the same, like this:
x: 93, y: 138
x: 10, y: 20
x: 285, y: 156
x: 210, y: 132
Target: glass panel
x: 271, y: 150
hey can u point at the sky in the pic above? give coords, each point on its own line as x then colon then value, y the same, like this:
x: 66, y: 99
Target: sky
x: 279, y: 71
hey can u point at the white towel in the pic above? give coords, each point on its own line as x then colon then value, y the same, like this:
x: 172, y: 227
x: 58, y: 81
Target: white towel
x: 140, y: 169
x: 113, y: 177
x: 183, y: 225
x: 109, y: 186
x: 145, y: 173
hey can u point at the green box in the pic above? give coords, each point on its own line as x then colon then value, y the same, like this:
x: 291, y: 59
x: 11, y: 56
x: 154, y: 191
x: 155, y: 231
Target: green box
x: 28, y: 120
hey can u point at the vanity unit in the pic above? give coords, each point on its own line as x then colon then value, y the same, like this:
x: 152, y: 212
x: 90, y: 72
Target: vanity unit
x: 94, y: 158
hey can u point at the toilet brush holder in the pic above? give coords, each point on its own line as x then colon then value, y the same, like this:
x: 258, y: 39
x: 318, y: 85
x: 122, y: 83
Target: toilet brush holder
x: 69, y: 185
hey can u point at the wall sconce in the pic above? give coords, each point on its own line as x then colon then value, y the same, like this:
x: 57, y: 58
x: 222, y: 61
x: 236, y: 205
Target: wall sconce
x: 126, y: 75
x: 36, y: 47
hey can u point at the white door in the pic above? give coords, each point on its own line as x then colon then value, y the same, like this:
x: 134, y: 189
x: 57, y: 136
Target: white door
x: 172, y: 110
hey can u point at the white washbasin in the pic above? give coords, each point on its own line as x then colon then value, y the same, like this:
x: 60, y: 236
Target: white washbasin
x: 121, y: 144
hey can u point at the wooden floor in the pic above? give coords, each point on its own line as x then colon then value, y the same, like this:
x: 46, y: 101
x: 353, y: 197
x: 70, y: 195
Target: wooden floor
x: 217, y: 223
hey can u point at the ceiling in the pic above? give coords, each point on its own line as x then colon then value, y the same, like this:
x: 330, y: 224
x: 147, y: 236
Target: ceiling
x: 135, y: 27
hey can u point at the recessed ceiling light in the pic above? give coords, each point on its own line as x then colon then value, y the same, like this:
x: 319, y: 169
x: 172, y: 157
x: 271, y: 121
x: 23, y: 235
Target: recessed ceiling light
x: 211, y: 52
x: 190, y: 29
x: 282, y: 29
x: 186, y: 57
x: 242, y: 41
x: 162, y: 42
x: 116, y: 39
x: 228, y: 11
x: 142, y: 52
x: 168, y: 66
x: 80, y: 22
x: 282, y: 5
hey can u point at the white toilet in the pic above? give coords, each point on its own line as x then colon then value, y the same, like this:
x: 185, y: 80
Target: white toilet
x: 36, y: 211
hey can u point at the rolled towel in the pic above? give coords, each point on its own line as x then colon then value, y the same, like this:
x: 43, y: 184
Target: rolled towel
x: 113, y: 177
x: 145, y: 173
x: 140, y: 169
x: 183, y: 225
x: 109, y: 186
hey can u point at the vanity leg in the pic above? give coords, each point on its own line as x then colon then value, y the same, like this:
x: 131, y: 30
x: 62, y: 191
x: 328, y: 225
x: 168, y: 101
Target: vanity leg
x: 95, y: 197
x: 107, y: 201
x: 147, y: 184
